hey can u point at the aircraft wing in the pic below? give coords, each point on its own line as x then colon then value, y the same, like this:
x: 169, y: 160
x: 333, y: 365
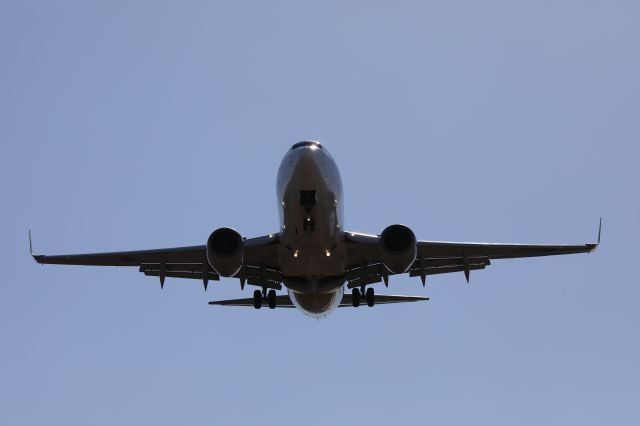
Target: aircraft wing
x: 284, y: 301
x: 439, y: 257
x: 260, y: 262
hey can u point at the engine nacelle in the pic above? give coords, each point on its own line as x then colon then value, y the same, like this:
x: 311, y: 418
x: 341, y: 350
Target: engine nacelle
x: 225, y: 249
x: 398, y: 248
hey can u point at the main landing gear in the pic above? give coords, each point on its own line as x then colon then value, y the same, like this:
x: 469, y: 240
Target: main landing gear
x: 369, y: 295
x: 271, y: 298
x: 355, y: 297
x: 259, y: 296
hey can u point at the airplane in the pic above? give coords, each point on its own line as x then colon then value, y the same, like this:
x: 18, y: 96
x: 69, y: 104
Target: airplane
x: 311, y: 255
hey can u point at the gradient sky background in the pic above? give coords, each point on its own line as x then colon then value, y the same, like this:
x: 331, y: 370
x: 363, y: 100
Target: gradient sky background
x: 146, y: 124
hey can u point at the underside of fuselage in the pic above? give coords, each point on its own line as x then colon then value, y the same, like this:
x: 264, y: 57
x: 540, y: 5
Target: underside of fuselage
x: 316, y: 305
x: 309, y: 190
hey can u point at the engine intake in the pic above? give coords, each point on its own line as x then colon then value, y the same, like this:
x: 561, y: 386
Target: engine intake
x: 225, y: 248
x: 398, y: 248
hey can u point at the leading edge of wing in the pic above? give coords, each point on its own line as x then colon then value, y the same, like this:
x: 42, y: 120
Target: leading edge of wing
x: 501, y: 250
x: 259, y: 250
x: 124, y: 258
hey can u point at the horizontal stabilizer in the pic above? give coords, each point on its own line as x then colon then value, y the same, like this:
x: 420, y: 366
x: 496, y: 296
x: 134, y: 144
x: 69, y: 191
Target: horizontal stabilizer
x: 281, y: 302
x: 284, y: 301
x: 382, y: 299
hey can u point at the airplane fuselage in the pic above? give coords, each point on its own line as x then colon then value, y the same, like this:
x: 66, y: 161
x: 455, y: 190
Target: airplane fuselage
x: 311, y: 210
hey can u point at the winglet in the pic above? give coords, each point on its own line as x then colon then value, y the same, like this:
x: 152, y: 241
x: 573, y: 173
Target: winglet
x: 599, y: 231
x: 30, y: 244
x: 35, y: 256
x: 592, y: 246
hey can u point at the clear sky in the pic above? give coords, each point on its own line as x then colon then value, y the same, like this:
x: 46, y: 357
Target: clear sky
x: 146, y: 124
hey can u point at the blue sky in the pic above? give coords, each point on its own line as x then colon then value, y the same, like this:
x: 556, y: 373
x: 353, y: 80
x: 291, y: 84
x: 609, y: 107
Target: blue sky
x: 143, y: 124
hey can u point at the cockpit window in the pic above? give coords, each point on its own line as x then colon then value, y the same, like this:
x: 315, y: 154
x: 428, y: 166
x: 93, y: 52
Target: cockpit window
x: 306, y: 143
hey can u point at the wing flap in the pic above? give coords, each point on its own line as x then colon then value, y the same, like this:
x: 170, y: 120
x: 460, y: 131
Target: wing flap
x: 193, y: 268
x: 262, y: 276
x: 178, y: 274
x: 373, y: 273
x: 415, y: 272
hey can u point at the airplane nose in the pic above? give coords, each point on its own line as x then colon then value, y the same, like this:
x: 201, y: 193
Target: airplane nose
x: 307, y: 144
x: 307, y: 165
x: 307, y: 159
x: 306, y: 154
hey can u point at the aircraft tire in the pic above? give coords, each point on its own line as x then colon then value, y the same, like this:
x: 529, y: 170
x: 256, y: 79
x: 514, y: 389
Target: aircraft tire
x: 370, y: 295
x: 271, y: 298
x: 355, y: 297
x: 257, y: 299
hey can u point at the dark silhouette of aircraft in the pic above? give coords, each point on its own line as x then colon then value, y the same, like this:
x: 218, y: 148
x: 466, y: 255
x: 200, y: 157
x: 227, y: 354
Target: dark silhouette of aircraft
x: 311, y: 254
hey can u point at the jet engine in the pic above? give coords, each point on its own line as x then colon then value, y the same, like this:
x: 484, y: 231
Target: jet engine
x: 225, y: 251
x: 398, y: 248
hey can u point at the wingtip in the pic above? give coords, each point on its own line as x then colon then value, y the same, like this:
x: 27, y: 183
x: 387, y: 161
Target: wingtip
x: 35, y: 256
x: 599, y: 231
x: 594, y: 246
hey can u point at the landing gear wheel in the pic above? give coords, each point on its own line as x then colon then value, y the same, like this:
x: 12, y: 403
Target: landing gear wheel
x: 271, y: 298
x: 257, y: 299
x: 371, y: 300
x: 355, y: 297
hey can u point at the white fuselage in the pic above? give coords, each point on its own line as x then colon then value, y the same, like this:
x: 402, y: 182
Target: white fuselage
x: 309, y: 191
